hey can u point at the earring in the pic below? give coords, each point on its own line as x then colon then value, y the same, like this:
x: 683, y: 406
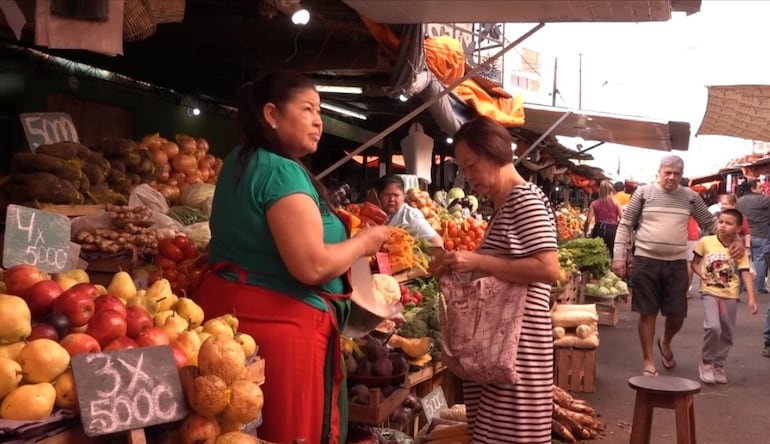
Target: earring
x: 274, y: 126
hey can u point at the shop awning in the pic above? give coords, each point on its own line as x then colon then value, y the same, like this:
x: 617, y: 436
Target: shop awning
x: 520, y: 11
x: 611, y: 128
x: 741, y: 111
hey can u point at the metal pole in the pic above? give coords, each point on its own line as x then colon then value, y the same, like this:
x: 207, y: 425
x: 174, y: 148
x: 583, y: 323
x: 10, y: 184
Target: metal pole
x: 555, y: 89
x: 543, y: 136
x: 429, y: 103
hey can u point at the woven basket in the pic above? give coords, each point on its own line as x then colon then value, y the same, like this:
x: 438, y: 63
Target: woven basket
x: 137, y: 23
x: 165, y: 11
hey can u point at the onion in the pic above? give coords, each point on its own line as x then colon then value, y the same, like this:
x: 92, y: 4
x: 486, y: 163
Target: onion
x: 172, y: 181
x: 183, y: 163
x: 203, y: 144
x: 164, y: 176
x: 179, y: 177
x: 160, y: 157
x: 205, y: 174
x: 171, y: 149
x: 142, y: 146
x: 193, y: 177
x: 186, y: 144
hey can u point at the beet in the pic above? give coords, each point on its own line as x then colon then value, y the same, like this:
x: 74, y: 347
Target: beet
x: 364, y: 369
x: 387, y: 390
x: 351, y: 365
x: 359, y: 394
x: 383, y: 367
x: 375, y: 350
x: 400, y: 366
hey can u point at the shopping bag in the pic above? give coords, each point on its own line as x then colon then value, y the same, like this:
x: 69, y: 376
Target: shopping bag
x: 481, y: 323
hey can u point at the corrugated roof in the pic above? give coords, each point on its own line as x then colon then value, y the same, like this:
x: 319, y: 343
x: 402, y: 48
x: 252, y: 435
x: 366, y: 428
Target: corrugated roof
x: 741, y: 111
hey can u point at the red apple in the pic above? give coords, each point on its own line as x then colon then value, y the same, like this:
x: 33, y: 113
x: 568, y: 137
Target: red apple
x: 79, y: 343
x: 180, y: 357
x: 137, y: 318
x: 109, y: 302
x: 40, y: 297
x: 84, y: 287
x: 60, y: 322
x: 19, y: 278
x: 151, y: 336
x: 46, y: 331
x: 77, y: 305
x: 106, y: 325
x: 121, y: 343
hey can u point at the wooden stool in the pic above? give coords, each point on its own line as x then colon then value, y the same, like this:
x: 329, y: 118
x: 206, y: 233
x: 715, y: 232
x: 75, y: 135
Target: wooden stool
x: 667, y: 392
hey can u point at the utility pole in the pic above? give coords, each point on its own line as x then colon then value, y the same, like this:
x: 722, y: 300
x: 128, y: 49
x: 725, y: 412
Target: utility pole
x: 555, y: 90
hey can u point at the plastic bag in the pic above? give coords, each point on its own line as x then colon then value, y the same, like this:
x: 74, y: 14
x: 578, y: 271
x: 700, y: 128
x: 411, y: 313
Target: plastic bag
x: 200, y: 196
x: 145, y: 195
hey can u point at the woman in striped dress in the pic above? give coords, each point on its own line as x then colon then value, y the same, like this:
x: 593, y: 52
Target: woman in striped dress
x: 520, y: 247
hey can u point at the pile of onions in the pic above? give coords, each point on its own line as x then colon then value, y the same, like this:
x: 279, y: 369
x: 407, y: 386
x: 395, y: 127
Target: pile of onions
x: 183, y: 163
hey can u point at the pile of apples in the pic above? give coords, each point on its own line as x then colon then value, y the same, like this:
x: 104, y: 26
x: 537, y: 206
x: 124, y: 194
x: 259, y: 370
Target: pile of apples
x: 52, y: 318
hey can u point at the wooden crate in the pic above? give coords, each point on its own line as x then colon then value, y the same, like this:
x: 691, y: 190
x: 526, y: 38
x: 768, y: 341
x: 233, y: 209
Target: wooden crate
x: 575, y: 369
x: 378, y: 409
x: 567, y: 293
x: 608, y: 314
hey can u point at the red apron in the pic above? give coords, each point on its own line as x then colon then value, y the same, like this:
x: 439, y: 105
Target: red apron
x: 293, y: 338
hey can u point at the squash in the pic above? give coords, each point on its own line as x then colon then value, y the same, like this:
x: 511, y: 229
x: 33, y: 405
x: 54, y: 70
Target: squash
x: 413, y: 347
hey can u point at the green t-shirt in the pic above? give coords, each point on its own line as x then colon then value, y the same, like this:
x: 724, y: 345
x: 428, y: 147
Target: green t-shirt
x: 239, y: 230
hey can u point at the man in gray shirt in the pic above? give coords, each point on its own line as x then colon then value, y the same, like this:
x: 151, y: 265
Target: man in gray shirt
x: 755, y: 207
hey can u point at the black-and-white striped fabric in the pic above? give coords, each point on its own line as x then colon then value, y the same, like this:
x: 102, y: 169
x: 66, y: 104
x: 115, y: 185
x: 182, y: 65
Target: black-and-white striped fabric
x: 521, y: 413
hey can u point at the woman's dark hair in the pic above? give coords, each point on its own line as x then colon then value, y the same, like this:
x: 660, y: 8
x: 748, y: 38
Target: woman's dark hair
x: 386, y: 181
x: 278, y: 88
x: 487, y: 139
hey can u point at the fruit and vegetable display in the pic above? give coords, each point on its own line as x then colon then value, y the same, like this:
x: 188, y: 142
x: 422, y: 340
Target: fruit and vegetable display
x: 567, y: 266
x: 404, y: 252
x: 129, y: 229
x: 45, y: 320
x: 573, y: 420
x: 569, y: 223
x: 422, y: 321
x: 462, y: 234
x: 183, y: 162
x: 608, y: 286
x: 575, y: 325
x: 457, y: 203
x: 429, y: 208
x: 589, y: 255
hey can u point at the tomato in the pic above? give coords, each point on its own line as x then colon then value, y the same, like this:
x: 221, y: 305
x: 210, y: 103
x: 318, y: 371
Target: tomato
x: 462, y: 247
x: 167, y: 248
x: 169, y: 274
x: 471, y: 234
x: 479, y: 233
x: 467, y: 241
x: 449, y: 245
x: 453, y: 231
x: 165, y: 263
x: 190, y: 251
x: 181, y: 241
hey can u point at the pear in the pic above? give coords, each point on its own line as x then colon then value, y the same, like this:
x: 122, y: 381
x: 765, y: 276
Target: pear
x: 29, y: 402
x: 122, y: 286
x: 10, y: 376
x: 218, y: 327
x: 174, y: 326
x: 12, y: 351
x: 190, y: 343
x: 188, y: 309
x: 42, y: 360
x: 248, y: 344
x: 65, y: 281
x: 160, y: 317
x: 66, y: 397
x: 231, y: 320
x: 141, y: 293
x: 15, y: 319
x: 204, y: 335
x: 102, y: 289
x: 160, y: 290
x: 79, y: 275
x: 167, y: 302
x: 149, y: 304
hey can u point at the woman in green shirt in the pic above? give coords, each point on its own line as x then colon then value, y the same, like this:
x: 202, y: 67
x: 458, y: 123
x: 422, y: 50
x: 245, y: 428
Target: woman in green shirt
x: 279, y: 256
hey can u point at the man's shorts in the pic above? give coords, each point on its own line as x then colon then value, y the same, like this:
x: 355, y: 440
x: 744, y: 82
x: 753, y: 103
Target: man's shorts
x: 659, y: 286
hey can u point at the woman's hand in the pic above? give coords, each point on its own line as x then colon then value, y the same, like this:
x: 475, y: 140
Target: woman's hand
x: 372, y: 238
x: 455, y: 261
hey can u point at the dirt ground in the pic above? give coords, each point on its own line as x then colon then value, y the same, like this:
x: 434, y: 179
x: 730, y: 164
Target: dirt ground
x: 736, y: 412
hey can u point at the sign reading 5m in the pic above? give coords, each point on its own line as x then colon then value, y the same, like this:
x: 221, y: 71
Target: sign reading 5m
x: 46, y: 128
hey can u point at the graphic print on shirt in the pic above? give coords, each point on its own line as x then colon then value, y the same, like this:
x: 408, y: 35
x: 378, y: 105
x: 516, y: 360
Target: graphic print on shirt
x: 719, y: 270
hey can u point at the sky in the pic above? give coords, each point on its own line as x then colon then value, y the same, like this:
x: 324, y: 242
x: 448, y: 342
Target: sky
x: 657, y: 70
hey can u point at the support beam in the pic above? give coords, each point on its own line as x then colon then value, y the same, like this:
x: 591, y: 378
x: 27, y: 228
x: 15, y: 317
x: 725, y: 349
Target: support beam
x: 543, y: 136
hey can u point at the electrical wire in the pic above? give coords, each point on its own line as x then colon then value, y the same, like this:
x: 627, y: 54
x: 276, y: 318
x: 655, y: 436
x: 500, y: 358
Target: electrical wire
x: 296, y: 45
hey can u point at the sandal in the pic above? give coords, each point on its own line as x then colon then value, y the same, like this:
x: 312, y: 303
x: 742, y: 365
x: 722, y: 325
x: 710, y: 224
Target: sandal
x: 668, y: 362
x: 646, y: 372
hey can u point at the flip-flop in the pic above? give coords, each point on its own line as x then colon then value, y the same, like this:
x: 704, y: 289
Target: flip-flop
x: 668, y: 362
x: 646, y: 372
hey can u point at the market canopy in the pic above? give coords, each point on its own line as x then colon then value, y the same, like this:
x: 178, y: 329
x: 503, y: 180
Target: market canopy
x: 611, y: 128
x: 520, y: 11
x: 741, y: 111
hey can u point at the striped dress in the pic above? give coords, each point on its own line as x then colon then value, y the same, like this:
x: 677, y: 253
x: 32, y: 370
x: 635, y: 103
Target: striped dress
x: 520, y: 413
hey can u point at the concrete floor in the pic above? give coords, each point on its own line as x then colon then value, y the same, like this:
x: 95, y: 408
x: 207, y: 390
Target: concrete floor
x: 724, y: 414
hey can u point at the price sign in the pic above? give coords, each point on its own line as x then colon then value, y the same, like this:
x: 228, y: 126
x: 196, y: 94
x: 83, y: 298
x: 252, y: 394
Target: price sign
x: 433, y: 403
x: 36, y: 238
x: 127, y: 389
x: 45, y: 128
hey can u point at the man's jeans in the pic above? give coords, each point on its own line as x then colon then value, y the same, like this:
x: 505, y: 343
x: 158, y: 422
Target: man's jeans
x: 760, y: 265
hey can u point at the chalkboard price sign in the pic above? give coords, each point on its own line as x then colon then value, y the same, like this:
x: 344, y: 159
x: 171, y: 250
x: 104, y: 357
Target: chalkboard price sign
x: 45, y: 128
x: 36, y: 238
x: 433, y: 403
x: 127, y: 389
